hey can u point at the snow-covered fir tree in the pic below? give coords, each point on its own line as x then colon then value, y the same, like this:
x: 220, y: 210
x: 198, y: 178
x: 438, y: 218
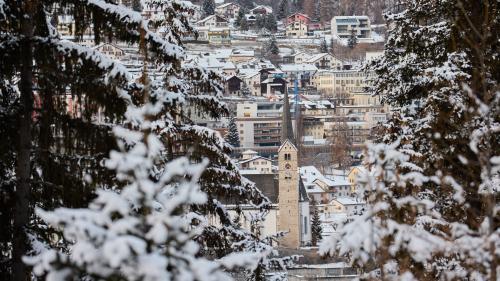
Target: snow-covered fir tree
x: 282, y: 10
x: 243, y: 24
x: 208, y: 7
x: 270, y: 265
x: 323, y: 47
x: 58, y: 154
x: 232, y: 136
x: 137, y: 5
x: 352, y: 41
x: 245, y: 90
x: 316, y: 228
x: 247, y: 4
x: 240, y: 17
x: 271, y: 47
x: 433, y: 186
x: 270, y: 23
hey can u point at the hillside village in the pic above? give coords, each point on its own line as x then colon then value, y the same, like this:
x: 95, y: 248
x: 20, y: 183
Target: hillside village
x: 249, y: 140
x: 277, y: 72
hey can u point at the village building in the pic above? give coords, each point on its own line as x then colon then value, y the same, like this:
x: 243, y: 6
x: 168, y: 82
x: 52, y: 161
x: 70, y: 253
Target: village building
x: 344, y: 26
x: 233, y: 85
x: 111, y: 51
x: 252, y: 161
x: 214, y: 29
x: 261, y: 10
x: 228, y: 10
x: 324, y: 61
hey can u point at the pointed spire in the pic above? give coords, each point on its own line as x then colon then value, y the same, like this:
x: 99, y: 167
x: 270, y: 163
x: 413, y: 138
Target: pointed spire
x: 286, y: 122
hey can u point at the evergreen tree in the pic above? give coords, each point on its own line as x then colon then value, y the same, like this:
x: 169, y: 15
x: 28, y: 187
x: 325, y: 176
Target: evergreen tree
x: 282, y: 10
x: 232, y: 136
x: 208, y: 7
x: 297, y: 6
x: 260, y: 21
x: 57, y: 156
x: 329, y: 8
x: 136, y: 5
x: 240, y: 17
x: 270, y: 265
x: 270, y: 23
x: 353, y: 40
x: 244, y: 24
x: 316, y: 15
x: 247, y: 4
x: 316, y: 228
x: 323, y: 48
x: 271, y: 47
x: 245, y: 90
x: 333, y: 43
x: 434, y: 175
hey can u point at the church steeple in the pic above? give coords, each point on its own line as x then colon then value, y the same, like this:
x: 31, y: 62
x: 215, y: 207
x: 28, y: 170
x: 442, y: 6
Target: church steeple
x: 286, y: 122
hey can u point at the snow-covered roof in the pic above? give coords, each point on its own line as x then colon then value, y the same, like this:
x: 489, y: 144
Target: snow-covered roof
x: 310, y: 173
x: 209, y: 62
x: 320, y: 104
x: 298, y: 67
x: 267, y: 8
x: 223, y: 53
x: 338, y: 180
x: 246, y: 53
x: 248, y: 73
x: 333, y: 217
x: 253, y: 159
x: 221, y: 19
x: 249, y: 151
x: 348, y: 19
x: 229, y: 65
x: 250, y: 172
x: 361, y: 169
x: 226, y: 5
x: 313, y: 188
x: 346, y: 201
x: 317, y: 57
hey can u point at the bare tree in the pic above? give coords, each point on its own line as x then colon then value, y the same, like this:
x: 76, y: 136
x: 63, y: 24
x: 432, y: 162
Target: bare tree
x: 341, y: 145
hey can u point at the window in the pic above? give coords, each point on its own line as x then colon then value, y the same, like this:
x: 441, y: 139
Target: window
x: 305, y: 225
x: 288, y: 156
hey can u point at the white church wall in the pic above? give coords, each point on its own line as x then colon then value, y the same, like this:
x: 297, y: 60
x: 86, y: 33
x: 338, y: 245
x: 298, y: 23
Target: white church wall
x: 305, y: 223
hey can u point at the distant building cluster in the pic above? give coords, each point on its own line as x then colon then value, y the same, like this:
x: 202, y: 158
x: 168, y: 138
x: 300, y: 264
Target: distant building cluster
x: 291, y: 109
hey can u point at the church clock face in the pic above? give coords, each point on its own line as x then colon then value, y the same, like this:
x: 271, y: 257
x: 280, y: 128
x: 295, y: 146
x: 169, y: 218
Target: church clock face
x: 287, y: 166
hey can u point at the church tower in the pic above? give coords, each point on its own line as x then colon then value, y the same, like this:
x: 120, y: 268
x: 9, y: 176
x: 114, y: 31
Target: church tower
x: 288, y: 177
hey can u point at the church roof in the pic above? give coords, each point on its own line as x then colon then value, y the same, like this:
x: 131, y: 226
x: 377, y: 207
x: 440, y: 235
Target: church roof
x: 302, y: 192
x: 285, y: 142
x: 286, y: 122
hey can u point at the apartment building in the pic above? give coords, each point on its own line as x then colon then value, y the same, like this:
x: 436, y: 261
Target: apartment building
x: 296, y: 29
x: 252, y: 80
x: 333, y: 83
x: 259, y: 123
x: 356, y: 132
x: 304, y: 72
x: 343, y: 26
